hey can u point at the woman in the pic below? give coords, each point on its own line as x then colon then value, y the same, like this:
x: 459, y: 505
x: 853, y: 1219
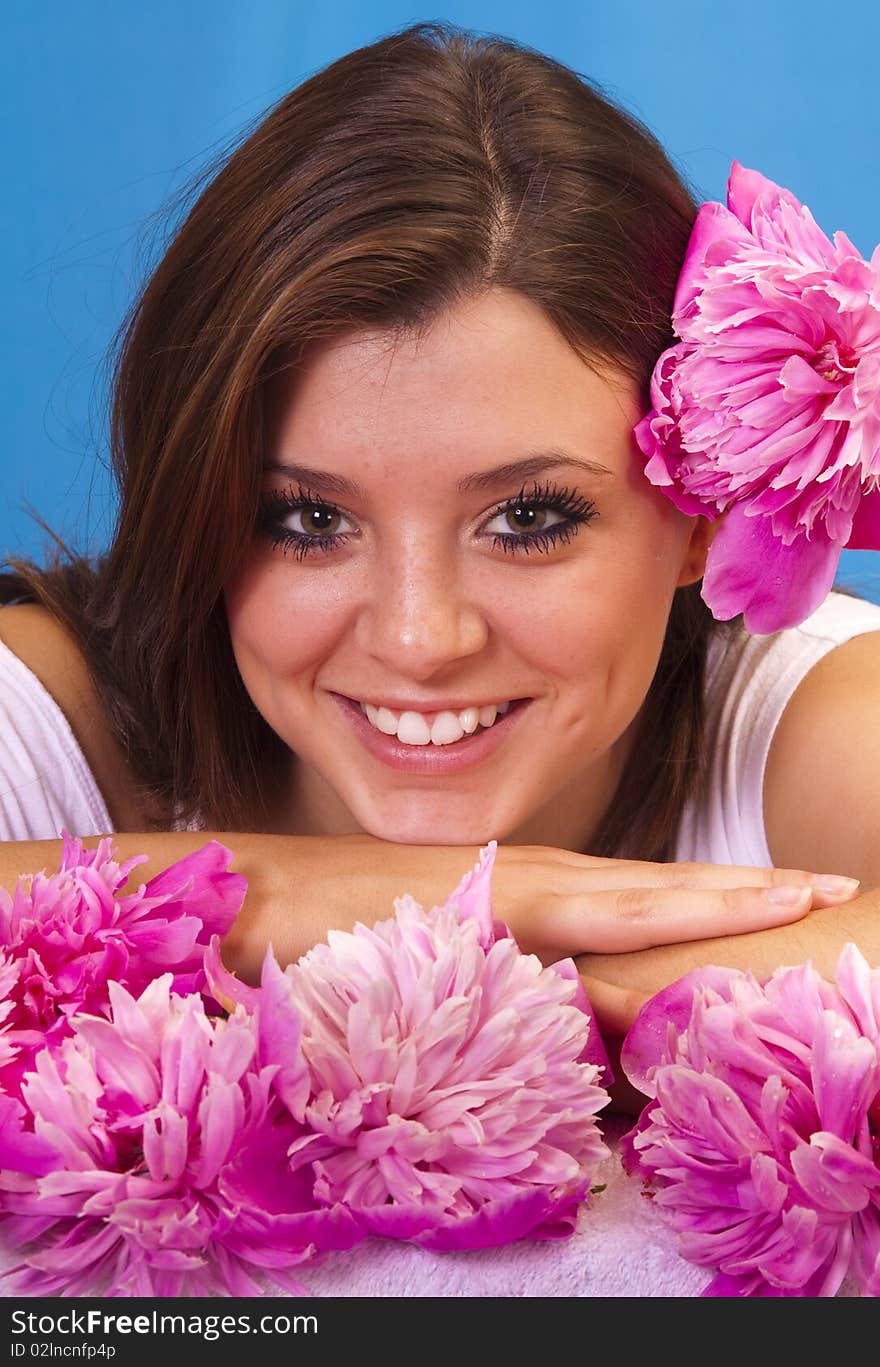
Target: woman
x: 388, y: 579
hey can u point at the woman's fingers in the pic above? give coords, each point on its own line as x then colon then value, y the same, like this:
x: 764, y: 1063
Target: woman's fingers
x: 617, y: 921
x: 575, y: 872
x: 826, y: 889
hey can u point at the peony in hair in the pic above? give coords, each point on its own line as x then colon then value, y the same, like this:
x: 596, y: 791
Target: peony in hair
x: 766, y: 412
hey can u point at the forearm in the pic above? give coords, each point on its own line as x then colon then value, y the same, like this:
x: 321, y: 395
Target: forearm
x: 619, y: 984
x: 299, y: 887
x: 818, y: 937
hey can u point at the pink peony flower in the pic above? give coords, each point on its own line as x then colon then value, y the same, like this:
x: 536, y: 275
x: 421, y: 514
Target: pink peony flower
x: 66, y: 935
x: 454, y: 1081
x: 424, y: 1080
x: 147, y: 1156
x: 762, y: 1138
x: 768, y: 409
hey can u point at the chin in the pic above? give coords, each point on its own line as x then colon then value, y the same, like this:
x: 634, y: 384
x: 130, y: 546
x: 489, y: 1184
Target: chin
x: 427, y: 832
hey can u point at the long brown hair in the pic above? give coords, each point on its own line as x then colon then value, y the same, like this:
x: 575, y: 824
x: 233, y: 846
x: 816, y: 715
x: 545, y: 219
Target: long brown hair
x: 403, y: 178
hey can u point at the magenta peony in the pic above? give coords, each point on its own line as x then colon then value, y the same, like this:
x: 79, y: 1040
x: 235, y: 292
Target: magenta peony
x: 762, y: 1138
x: 147, y: 1156
x: 768, y: 409
x: 65, y: 935
x: 423, y: 1080
x: 454, y: 1081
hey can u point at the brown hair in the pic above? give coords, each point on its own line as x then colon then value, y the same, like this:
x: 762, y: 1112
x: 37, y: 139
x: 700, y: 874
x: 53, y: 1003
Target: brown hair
x: 403, y: 178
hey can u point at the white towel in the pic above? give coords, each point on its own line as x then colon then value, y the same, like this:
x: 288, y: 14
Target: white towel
x: 619, y: 1248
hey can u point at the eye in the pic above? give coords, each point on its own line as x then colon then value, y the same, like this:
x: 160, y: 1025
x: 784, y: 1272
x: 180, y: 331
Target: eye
x: 540, y: 519
x: 295, y: 520
x: 520, y: 517
x: 311, y: 519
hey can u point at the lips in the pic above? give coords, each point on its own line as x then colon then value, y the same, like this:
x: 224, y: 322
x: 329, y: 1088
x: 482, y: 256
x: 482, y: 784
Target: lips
x: 431, y: 760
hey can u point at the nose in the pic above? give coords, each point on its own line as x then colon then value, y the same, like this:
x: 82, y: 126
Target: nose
x: 419, y: 617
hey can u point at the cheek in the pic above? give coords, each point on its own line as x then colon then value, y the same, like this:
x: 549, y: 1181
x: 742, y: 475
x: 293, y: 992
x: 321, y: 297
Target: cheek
x: 277, y: 625
x: 600, y: 640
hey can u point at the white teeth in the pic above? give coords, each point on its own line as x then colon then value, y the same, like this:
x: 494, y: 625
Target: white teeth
x: 386, y: 721
x: 412, y: 729
x: 447, y: 727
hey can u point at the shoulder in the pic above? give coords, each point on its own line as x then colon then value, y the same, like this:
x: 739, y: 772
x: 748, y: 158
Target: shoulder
x: 50, y: 653
x: 822, y: 780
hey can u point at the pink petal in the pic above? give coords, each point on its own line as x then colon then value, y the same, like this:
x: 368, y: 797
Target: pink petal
x: 845, y: 1075
x: 472, y: 898
x: 644, y: 1047
x: 524, y: 1215
x: 866, y: 1251
x: 21, y: 1150
x: 280, y: 1034
x: 166, y: 943
x: 865, y: 535
x: 856, y: 979
x: 835, y: 1177
x: 594, y: 1050
x: 123, y: 1065
x: 226, y: 989
x: 744, y: 188
x: 775, y: 586
x: 713, y: 225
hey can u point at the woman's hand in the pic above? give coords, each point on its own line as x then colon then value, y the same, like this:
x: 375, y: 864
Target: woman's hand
x: 561, y: 904
x: 558, y: 904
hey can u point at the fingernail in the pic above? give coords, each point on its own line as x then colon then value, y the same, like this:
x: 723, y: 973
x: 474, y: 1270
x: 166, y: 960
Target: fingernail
x: 786, y: 896
x: 833, y: 885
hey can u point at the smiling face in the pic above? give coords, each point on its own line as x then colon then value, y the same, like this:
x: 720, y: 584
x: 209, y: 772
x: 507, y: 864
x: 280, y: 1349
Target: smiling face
x: 474, y: 528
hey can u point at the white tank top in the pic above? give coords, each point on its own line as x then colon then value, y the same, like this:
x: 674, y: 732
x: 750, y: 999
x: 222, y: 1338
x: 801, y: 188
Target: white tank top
x: 747, y: 688
x: 46, y: 784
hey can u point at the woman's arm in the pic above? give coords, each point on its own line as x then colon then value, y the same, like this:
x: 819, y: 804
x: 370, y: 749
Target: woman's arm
x: 818, y: 937
x: 555, y: 902
x: 821, y: 807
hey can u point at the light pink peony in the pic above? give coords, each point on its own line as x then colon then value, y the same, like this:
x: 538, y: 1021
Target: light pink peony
x: 768, y: 409
x: 454, y: 1081
x: 762, y: 1140
x: 65, y: 935
x: 147, y: 1156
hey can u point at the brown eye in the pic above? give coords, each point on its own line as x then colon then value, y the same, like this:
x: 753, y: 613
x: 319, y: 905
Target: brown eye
x: 539, y: 519
x: 296, y: 521
x: 316, y: 518
x: 521, y: 518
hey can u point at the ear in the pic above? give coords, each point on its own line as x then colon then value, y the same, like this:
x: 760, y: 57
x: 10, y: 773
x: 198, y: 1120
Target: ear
x: 693, y: 565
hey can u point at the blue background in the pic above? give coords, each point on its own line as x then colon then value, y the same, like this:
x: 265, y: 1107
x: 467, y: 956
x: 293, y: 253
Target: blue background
x: 110, y: 106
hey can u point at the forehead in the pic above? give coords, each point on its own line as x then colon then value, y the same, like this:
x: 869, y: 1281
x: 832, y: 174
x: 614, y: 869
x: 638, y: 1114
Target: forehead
x: 490, y: 378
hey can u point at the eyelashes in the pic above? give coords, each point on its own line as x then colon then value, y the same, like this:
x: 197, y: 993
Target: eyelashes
x: 278, y: 506
x: 573, y: 509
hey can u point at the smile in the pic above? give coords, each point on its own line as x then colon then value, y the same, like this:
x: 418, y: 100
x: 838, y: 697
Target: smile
x: 457, y: 751
x: 432, y: 728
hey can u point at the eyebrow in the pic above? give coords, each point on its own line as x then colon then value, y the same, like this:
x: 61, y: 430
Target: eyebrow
x: 534, y: 464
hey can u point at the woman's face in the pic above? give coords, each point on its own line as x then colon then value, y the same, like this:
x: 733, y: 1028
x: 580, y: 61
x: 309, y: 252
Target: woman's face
x: 449, y: 524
